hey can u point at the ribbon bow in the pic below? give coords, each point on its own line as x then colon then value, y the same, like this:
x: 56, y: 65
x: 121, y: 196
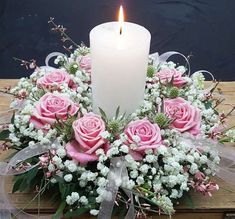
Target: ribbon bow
x: 117, y: 176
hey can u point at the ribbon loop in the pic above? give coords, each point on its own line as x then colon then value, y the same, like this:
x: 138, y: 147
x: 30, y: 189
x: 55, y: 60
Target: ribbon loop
x: 8, y: 169
x: 225, y: 170
x: 51, y: 55
x: 159, y: 59
x: 118, y: 173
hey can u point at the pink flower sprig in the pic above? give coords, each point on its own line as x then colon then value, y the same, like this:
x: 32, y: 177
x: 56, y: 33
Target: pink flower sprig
x: 31, y: 64
x: 64, y: 36
x: 202, y: 185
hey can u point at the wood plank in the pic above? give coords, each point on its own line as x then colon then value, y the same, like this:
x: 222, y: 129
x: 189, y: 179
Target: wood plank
x: 203, y: 207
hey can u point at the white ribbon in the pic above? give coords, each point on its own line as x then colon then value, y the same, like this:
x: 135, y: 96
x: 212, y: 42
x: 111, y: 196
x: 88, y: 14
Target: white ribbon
x: 8, y: 169
x: 51, y: 55
x: 165, y: 56
x: 117, y: 176
x: 160, y: 59
x: 226, y: 168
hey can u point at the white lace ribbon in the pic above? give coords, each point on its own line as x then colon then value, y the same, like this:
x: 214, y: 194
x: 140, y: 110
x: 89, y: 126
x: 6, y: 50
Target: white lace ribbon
x: 51, y: 55
x: 159, y: 59
x: 226, y: 168
x: 8, y: 169
x: 117, y: 176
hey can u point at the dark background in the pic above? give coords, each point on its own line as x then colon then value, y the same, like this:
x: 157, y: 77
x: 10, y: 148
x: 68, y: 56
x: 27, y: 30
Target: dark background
x: 203, y: 28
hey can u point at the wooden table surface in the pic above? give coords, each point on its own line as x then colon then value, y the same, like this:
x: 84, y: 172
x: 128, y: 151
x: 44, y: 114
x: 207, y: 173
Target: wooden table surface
x: 223, y: 201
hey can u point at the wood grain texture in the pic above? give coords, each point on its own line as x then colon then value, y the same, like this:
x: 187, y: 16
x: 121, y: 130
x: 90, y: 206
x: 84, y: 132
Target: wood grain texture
x: 202, y: 207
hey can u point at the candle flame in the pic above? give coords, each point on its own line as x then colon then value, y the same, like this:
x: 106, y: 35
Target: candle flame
x: 121, y: 19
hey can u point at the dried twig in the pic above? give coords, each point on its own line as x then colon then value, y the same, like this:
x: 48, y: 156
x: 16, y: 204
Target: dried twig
x: 31, y: 64
x: 64, y: 36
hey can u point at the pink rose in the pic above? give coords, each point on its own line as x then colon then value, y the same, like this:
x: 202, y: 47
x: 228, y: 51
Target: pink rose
x: 87, y: 132
x: 52, y: 106
x: 85, y: 63
x: 148, y: 134
x: 186, y: 118
x: 166, y: 75
x: 54, y: 78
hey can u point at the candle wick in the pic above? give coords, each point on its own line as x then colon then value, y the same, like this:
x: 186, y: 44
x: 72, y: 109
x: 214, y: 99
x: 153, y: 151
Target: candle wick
x: 120, y: 31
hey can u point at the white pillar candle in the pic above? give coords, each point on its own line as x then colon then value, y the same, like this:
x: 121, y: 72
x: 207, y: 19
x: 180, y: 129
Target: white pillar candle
x: 119, y: 66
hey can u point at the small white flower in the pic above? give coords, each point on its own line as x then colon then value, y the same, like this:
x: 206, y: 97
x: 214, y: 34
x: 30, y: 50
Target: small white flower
x: 83, y: 200
x: 123, y: 137
x: 166, y: 142
x: 105, y: 171
x: 101, y: 182
x: 72, y: 167
x: 153, y: 170
x: 136, y: 138
x: 158, y: 100
x: 193, y: 168
x: 82, y: 183
x: 124, y: 149
x: 190, y: 158
x: 100, y: 151
x: 53, y: 180
x: 157, y: 187
x: 68, y: 177
x: 144, y: 169
x: 203, y: 159
x: 11, y: 128
x: 133, y: 146
x: 129, y: 158
x: 140, y: 180
x: 31, y: 143
x: 117, y: 143
x: 130, y: 184
x: 94, y: 212
x: 207, y: 171
x: 112, y: 151
x: 162, y: 149
x: 57, y: 160
x: 134, y: 174
x: 69, y: 200
x: 51, y: 167
x: 74, y: 196
x: 105, y: 134
x: 61, y: 152
x: 174, y: 193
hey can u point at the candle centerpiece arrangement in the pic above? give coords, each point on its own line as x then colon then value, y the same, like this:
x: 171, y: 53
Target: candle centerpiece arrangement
x: 113, y: 130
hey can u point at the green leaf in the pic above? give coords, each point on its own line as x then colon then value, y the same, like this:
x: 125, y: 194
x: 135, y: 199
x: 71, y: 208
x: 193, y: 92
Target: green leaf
x: 13, y: 118
x: 66, y: 189
x: 59, y: 179
x: 4, y: 134
x: 224, y: 140
x: 17, y: 185
x: 59, y: 211
x: 26, y: 180
x: 117, y: 112
x: 188, y: 200
x: 208, y: 104
x: 76, y: 212
x: 103, y: 114
x: 31, y: 175
x: 122, y: 212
